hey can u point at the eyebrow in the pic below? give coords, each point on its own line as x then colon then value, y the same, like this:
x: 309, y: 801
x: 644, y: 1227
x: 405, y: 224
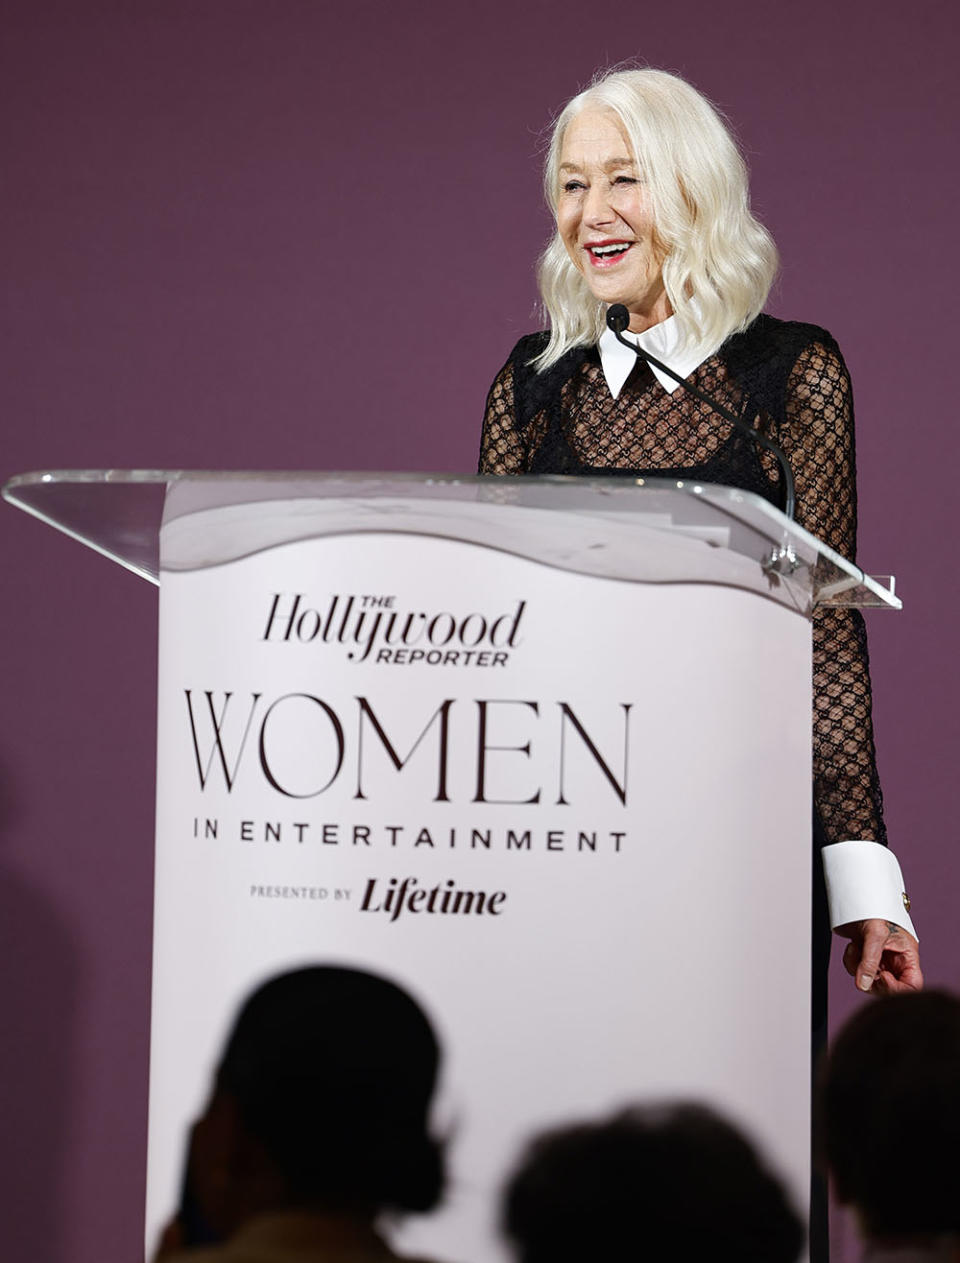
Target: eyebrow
x: 609, y: 165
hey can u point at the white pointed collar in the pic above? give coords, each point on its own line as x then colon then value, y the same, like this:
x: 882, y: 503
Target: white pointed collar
x: 661, y: 340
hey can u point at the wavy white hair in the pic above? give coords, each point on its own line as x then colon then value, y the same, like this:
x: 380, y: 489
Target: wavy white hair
x: 718, y: 261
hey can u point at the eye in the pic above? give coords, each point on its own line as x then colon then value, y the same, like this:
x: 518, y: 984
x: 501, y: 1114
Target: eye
x: 626, y: 179
x: 573, y: 186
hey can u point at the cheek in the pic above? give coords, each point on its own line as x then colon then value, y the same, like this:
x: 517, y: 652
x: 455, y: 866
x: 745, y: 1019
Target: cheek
x: 568, y: 224
x: 632, y: 208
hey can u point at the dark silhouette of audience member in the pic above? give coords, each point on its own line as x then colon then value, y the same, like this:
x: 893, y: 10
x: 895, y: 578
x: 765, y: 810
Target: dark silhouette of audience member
x: 889, y: 1105
x: 316, y: 1125
x: 673, y: 1182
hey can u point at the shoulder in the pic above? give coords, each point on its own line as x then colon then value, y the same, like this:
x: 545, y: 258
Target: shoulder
x: 771, y: 357
x: 768, y: 339
x: 530, y: 345
x: 535, y: 389
x: 534, y: 344
x: 517, y: 365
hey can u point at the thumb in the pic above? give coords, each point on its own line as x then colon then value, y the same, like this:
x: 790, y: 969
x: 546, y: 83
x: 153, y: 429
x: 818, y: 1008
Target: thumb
x: 851, y: 957
x: 874, y: 937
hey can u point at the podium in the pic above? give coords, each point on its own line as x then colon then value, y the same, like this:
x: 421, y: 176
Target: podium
x: 536, y: 749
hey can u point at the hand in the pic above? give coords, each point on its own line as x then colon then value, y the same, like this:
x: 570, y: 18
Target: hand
x: 882, y: 957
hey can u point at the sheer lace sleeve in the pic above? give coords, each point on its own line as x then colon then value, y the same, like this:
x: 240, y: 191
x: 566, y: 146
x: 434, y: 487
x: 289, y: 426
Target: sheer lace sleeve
x: 502, y: 450
x: 819, y: 442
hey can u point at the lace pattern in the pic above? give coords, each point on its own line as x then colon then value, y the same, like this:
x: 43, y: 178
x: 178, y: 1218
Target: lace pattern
x: 791, y: 382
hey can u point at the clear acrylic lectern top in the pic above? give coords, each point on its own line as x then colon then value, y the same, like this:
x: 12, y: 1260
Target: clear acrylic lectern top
x: 642, y: 530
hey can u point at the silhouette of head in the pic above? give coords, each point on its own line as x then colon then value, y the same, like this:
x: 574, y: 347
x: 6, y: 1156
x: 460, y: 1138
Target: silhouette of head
x: 321, y: 1100
x: 889, y: 1101
x: 661, y: 1182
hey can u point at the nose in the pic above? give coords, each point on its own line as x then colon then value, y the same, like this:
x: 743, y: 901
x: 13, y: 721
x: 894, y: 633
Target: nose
x: 598, y: 210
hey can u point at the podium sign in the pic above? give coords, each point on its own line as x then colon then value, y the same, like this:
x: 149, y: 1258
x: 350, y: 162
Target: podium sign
x: 547, y: 768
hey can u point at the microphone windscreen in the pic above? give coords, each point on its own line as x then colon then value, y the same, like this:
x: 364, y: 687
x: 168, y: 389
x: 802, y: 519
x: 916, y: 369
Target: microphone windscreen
x: 618, y: 318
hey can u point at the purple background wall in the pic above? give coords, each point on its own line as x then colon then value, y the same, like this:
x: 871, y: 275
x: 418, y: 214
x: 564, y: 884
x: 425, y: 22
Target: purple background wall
x: 203, y: 202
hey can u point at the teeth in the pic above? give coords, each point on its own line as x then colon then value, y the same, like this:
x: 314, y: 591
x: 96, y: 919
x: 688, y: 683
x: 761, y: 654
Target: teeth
x: 602, y: 251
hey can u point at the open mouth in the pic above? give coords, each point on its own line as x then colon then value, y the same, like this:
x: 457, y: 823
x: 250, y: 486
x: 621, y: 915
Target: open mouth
x: 608, y: 252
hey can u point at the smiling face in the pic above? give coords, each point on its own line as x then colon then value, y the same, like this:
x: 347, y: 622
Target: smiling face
x: 604, y: 218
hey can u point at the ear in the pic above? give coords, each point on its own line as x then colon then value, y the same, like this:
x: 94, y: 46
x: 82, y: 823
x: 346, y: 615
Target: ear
x: 236, y: 1177
x: 214, y: 1158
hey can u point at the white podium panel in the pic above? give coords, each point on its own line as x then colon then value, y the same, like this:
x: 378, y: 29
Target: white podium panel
x: 569, y: 813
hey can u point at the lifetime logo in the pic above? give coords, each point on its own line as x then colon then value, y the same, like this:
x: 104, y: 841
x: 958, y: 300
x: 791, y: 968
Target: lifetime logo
x: 445, y: 900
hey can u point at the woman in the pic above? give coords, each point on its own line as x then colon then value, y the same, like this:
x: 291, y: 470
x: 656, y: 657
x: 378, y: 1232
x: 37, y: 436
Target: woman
x: 651, y: 204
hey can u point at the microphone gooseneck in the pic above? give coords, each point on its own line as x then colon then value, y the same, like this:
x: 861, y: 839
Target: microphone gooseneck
x: 618, y: 319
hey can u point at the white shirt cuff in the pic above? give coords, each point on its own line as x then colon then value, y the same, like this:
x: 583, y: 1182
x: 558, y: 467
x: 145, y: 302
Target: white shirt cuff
x: 864, y: 881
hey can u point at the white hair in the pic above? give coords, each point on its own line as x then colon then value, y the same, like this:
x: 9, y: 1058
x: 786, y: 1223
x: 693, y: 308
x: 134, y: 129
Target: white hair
x: 718, y: 261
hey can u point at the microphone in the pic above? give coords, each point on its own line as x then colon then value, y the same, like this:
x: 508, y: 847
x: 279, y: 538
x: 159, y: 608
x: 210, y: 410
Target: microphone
x: 618, y: 319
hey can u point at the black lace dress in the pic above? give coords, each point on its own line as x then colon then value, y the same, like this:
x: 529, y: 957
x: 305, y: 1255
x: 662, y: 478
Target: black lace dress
x: 790, y: 381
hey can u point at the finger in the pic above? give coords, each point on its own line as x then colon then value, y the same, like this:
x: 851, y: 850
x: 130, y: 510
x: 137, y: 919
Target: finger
x: 874, y: 937
x: 887, y: 983
x: 904, y: 970
x: 851, y: 957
